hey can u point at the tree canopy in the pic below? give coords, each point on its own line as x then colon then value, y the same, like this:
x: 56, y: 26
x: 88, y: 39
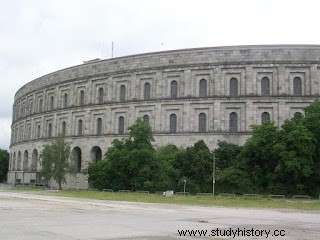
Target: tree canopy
x: 55, y: 161
x: 276, y: 161
x: 4, y: 164
x: 129, y: 164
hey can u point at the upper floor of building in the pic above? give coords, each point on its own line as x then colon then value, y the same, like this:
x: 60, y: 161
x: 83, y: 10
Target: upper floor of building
x: 230, y: 72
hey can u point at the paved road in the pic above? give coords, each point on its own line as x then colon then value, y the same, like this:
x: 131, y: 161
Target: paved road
x: 25, y: 216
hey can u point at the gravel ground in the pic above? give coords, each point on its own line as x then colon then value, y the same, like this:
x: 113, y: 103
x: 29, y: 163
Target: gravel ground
x: 28, y: 216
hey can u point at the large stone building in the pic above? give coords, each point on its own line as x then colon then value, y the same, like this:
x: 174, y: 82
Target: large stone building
x: 185, y: 95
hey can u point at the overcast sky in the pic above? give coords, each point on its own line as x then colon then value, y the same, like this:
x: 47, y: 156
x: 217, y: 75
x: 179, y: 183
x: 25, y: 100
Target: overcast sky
x: 39, y: 37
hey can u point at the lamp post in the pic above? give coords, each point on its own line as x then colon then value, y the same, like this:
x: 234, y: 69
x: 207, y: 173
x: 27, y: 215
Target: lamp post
x: 184, y: 187
x: 77, y: 182
x: 213, y: 173
x: 33, y: 179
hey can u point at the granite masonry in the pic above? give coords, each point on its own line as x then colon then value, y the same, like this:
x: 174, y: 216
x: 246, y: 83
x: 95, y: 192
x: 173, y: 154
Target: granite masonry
x: 184, y: 95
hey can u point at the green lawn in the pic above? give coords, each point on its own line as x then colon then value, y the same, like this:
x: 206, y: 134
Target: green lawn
x: 238, y: 201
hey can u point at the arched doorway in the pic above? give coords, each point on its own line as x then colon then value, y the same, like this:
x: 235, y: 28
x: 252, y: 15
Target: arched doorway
x: 96, y: 154
x: 34, y: 162
x: 25, y: 161
x: 77, y: 158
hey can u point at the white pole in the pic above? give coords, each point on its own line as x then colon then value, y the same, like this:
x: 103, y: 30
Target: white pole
x: 213, y: 173
x: 112, y: 50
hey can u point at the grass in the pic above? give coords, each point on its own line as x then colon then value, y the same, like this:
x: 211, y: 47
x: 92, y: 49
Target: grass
x: 222, y: 201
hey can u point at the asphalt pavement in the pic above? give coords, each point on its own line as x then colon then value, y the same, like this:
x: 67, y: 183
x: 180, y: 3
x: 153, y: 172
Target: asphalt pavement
x: 28, y: 216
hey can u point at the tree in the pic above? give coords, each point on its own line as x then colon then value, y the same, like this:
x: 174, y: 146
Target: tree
x: 312, y: 122
x: 129, y: 163
x: 4, y: 164
x: 166, y: 176
x: 229, y: 178
x: 195, y: 165
x: 258, y: 156
x: 296, y: 151
x: 225, y: 154
x: 234, y: 180
x: 54, y: 161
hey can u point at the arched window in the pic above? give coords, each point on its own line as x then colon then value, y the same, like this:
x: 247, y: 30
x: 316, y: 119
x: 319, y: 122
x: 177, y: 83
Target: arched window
x: 21, y: 134
x: 80, y: 123
x: 38, y: 131
x: 297, y: 115
x: 16, y: 134
x: 174, y: 89
x: 147, y: 90
x: 203, y: 88
x: 23, y: 109
x: 25, y: 161
x: 40, y: 105
x: 173, y: 123
x: 63, y: 128
x: 51, y: 103
x: 19, y: 111
x: 202, y: 122
x: 29, y: 133
x: 14, y: 114
x: 96, y: 154
x: 65, y: 100
x: 233, y: 87
x: 122, y: 93
x: 14, y: 162
x: 297, y: 86
x: 49, y: 130
x: 146, y: 119
x: 31, y: 108
x: 34, y: 162
x: 77, y: 158
x: 265, y: 86
x: 81, y: 98
x: 12, y: 135
x: 265, y: 117
x: 121, y: 125
x: 99, y: 126
x: 233, y: 123
x: 19, y: 161
x: 100, y: 95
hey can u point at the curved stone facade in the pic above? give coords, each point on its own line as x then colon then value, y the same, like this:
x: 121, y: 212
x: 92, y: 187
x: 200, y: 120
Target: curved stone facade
x: 185, y: 95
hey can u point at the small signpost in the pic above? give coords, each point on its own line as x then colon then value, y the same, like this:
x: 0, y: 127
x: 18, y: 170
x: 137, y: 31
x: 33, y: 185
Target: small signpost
x: 86, y: 177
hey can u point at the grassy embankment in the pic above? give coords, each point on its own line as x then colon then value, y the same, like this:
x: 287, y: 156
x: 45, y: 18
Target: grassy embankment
x: 222, y: 201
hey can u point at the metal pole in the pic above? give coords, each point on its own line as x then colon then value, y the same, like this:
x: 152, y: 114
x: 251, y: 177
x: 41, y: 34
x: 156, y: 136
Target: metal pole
x: 112, y: 50
x: 184, y: 187
x: 213, y: 173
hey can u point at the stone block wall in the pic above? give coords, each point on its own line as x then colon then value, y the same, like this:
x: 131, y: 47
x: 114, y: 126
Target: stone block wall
x: 233, y: 87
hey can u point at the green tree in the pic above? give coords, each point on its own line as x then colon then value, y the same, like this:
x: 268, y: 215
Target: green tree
x: 296, y: 151
x: 225, y: 154
x: 166, y: 176
x: 195, y: 165
x: 312, y: 122
x: 54, y: 161
x: 4, y: 164
x: 100, y: 174
x: 129, y: 163
x: 233, y: 179
x: 229, y: 178
x: 258, y: 156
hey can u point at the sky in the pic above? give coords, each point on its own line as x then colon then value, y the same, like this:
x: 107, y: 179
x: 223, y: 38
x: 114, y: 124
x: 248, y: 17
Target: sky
x: 38, y: 37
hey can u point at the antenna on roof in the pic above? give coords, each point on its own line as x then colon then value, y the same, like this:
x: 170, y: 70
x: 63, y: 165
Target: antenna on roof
x: 112, y: 50
x: 102, y: 50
